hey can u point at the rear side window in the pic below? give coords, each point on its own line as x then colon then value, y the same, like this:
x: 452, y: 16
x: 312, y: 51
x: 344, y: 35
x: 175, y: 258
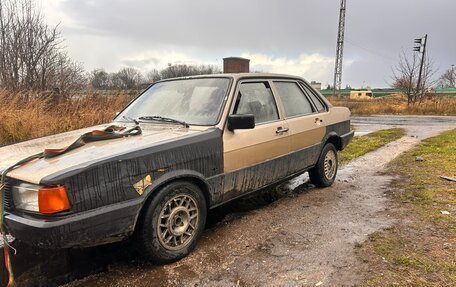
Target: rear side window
x: 257, y: 99
x: 320, y: 107
x: 293, y: 99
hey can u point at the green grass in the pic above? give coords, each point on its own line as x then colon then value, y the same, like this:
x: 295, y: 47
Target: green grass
x: 361, y: 145
x: 419, y: 250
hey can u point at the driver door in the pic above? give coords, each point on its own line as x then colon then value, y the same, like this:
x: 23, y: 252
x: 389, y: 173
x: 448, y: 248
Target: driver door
x: 249, y: 155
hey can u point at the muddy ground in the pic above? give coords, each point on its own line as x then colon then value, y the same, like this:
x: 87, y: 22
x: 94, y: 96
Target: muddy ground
x: 307, y: 237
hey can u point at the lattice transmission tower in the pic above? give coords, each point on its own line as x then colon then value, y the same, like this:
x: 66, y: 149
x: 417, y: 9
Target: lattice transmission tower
x: 339, y: 49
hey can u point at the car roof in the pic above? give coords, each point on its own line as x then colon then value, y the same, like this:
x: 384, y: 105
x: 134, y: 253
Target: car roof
x: 237, y: 76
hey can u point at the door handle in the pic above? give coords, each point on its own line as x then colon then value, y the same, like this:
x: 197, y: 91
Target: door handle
x: 281, y: 130
x: 317, y: 120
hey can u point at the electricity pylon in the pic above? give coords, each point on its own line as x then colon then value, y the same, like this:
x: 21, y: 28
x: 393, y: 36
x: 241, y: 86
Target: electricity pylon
x: 339, y: 49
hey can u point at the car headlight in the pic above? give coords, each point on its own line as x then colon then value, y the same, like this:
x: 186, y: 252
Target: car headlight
x: 41, y: 199
x: 25, y: 196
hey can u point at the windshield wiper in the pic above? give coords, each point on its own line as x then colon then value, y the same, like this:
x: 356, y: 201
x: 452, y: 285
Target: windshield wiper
x: 163, y: 119
x: 130, y: 120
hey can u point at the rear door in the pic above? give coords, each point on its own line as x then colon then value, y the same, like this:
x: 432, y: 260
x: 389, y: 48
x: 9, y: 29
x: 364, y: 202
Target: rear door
x: 306, y: 123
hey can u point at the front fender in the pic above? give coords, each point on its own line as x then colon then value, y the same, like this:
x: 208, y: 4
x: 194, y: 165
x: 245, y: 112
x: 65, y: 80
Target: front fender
x: 171, y: 176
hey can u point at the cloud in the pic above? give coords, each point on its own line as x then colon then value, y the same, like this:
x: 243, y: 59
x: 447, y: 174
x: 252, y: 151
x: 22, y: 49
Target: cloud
x: 293, y: 36
x: 310, y: 66
x: 159, y: 59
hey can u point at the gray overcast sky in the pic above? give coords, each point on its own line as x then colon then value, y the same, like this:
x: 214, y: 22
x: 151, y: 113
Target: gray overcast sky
x: 288, y: 36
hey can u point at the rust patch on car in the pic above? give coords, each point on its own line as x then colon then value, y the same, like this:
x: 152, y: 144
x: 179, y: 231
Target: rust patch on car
x: 141, y: 185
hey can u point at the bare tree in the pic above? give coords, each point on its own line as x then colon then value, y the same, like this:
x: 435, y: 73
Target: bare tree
x: 448, y: 78
x: 99, y: 79
x: 152, y: 76
x: 31, y: 55
x: 173, y: 71
x: 131, y: 78
x: 66, y: 74
x: 126, y: 78
x: 208, y: 69
x: 405, y: 77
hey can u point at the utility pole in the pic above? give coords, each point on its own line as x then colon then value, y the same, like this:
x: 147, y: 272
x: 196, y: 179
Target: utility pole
x: 453, y: 77
x: 421, y: 48
x: 339, y: 49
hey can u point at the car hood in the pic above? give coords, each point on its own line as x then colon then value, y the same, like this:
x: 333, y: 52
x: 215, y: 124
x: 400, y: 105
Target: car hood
x: 34, y: 171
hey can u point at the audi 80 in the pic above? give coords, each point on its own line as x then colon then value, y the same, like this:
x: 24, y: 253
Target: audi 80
x: 205, y: 140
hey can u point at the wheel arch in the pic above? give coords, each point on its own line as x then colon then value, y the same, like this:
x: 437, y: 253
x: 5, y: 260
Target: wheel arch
x: 335, y: 139
x: 182, y: 175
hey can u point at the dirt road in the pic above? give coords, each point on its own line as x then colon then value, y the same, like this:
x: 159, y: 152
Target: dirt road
x: 306, y: 238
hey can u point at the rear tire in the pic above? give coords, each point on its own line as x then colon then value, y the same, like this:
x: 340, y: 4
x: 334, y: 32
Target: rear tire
x: 324, y: 172
x: 172, y: 223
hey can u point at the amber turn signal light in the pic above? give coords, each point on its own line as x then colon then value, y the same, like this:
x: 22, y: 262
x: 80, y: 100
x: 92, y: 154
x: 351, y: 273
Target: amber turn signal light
x: 52, y: 199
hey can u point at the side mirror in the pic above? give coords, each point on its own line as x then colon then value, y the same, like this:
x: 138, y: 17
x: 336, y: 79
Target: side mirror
x: 238, y: 122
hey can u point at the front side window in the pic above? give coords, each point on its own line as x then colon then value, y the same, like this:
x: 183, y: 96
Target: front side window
x: 194, y: 101
x: 293, y: 99
x: 257, y: 99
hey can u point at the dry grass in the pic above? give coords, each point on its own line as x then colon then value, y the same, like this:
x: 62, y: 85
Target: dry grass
x: 27, y: 115
x: 397, y: 105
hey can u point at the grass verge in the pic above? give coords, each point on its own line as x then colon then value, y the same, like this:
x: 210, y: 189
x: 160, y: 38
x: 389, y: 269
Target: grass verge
x: 361, y: 145
x: 420, y: 249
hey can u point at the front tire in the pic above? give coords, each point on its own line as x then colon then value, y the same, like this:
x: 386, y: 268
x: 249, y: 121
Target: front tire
x: 324, y: 172
x: 173, y: 222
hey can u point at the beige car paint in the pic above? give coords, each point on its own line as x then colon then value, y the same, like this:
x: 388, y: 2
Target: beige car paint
x: 336, y: 115
x: 306, y: 131
x: 243, y: 148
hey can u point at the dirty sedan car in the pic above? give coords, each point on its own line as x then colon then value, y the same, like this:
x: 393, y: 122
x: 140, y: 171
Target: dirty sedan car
x: 205, y: 140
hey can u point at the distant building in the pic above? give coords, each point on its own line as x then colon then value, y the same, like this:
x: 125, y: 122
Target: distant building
x: 361, y: 95
x: 316, y: 85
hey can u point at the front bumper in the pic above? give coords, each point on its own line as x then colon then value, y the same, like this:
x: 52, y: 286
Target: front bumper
x: 103, y: 225
x: 346, y: 139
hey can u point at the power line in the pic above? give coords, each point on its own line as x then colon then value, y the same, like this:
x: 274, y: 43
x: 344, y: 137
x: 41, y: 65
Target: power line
x: 372, y: 51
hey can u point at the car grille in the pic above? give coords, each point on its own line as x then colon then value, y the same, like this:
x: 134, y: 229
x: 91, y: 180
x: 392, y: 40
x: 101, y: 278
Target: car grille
x: 8, y: 197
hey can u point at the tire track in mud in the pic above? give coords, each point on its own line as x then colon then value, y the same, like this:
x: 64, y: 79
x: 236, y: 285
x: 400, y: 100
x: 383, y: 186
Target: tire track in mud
x: 304, y: 238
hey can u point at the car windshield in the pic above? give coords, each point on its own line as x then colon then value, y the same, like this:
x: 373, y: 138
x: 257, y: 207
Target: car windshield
x: 193, y: 101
